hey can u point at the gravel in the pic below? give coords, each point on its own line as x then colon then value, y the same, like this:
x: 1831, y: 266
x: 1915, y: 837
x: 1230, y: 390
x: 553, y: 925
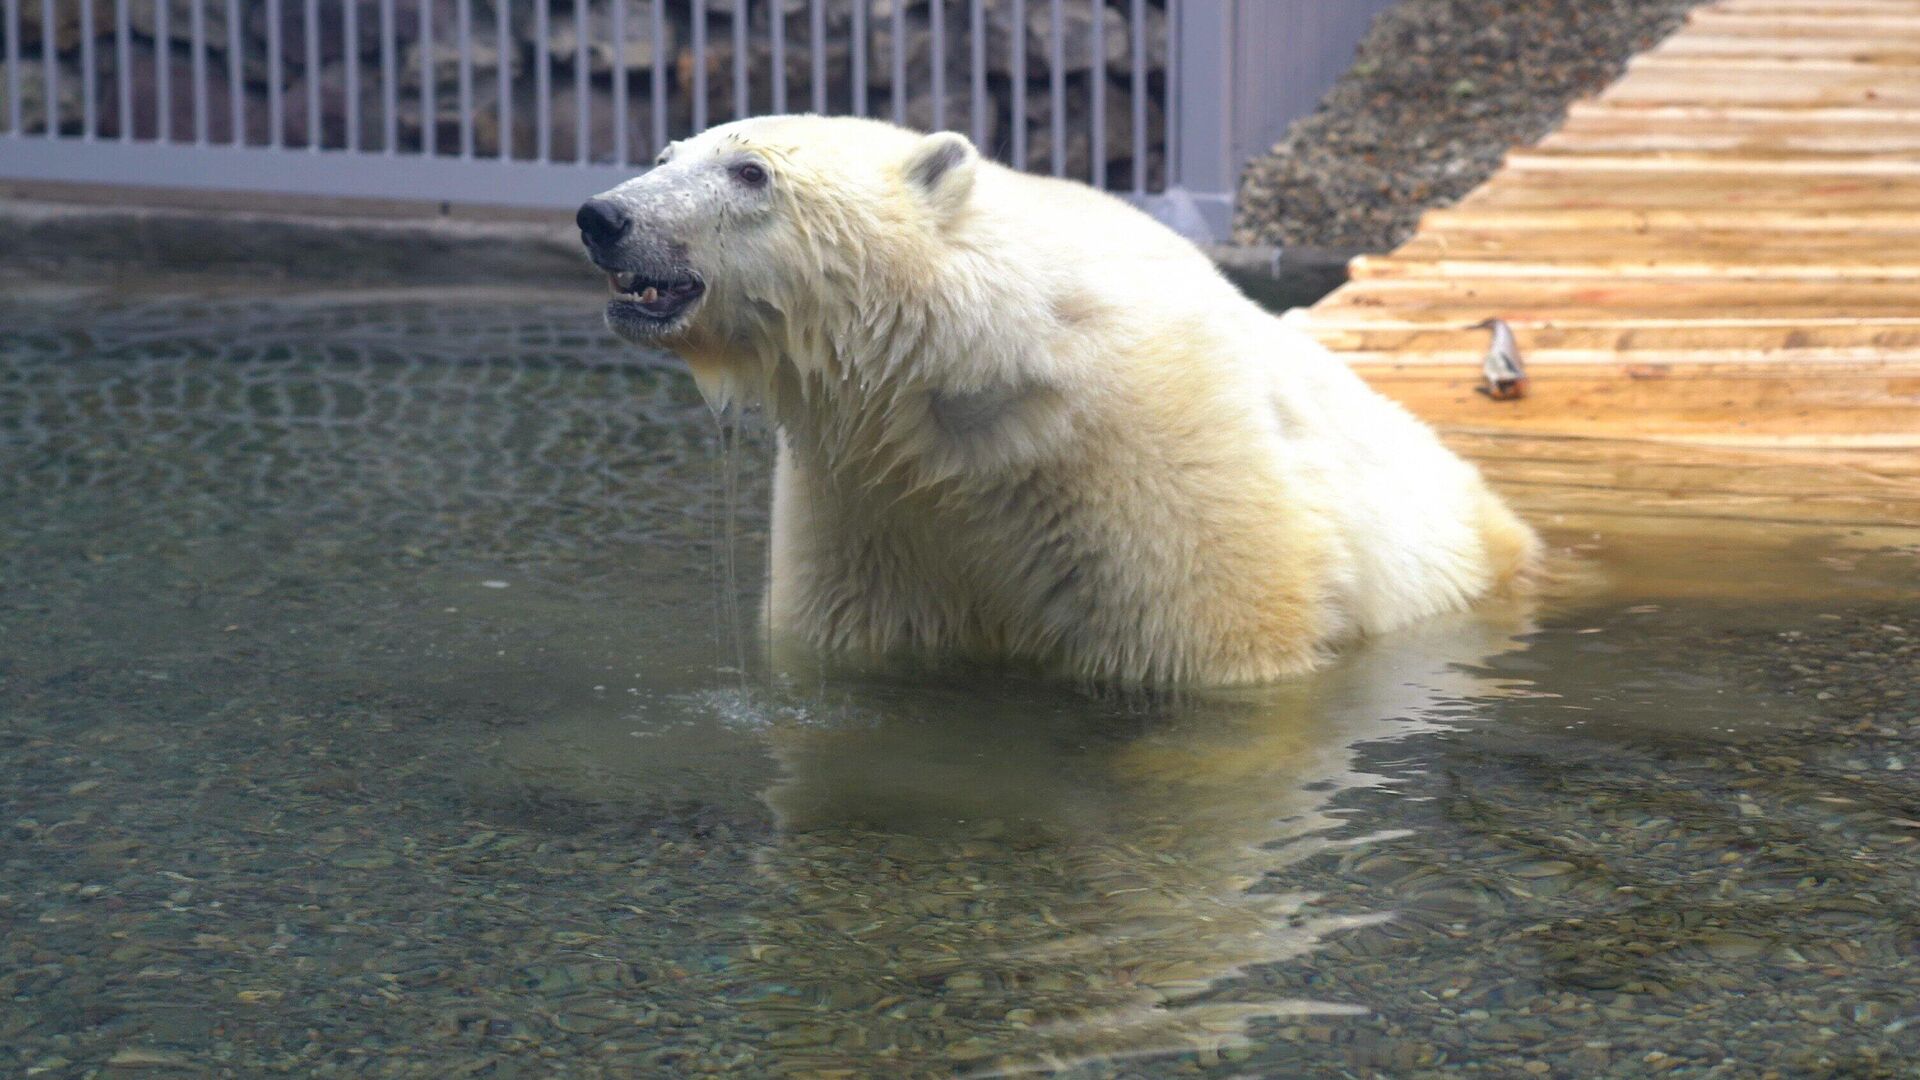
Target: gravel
x: 1440, y: 90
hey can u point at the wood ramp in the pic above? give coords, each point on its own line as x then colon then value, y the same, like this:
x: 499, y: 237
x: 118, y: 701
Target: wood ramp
x: 1722, y: 249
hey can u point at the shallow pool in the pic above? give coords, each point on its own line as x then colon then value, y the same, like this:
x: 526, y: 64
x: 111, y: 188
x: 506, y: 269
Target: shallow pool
x: 380, y: 695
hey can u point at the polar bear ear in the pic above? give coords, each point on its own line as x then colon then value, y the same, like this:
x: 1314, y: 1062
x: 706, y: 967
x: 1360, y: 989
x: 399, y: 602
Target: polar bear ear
x: 941, y: 168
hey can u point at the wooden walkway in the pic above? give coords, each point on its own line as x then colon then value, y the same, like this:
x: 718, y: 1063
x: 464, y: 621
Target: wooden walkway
x: 1722, y: 248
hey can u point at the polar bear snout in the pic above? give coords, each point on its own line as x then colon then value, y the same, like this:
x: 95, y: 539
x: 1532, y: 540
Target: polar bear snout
x: 602, y: 222
x: 654, y: 290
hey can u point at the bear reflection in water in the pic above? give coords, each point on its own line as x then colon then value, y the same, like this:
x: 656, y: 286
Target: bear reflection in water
x: 958, y: 850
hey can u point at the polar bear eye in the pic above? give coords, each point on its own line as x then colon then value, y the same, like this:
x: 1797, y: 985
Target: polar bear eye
x: 750, y: 174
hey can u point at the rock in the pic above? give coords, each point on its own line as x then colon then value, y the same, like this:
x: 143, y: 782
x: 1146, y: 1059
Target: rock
x: 1079, y: 140
x: 137, y: 1057
x: 141, y: 18
x: 146, y: 102
x: 444, y: 17
x: 799, y: 68
x: 563, y: 37
x: 484, y: 53
x: 600, y: 123
x: 33, y: 99
x: 1077, y: 23
x: 958, y: 116
x: 66, y: 26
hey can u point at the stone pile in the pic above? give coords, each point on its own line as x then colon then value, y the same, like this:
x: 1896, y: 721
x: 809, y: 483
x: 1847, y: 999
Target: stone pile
x: 339, y: 49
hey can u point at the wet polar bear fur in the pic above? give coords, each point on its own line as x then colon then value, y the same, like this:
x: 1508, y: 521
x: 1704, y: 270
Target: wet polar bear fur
x: 1021, y: 420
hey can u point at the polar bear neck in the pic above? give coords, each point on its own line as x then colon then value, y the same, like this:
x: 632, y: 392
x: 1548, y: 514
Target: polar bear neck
x: 896, y: 379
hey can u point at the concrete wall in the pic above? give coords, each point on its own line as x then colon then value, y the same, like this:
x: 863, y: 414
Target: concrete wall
x: 1245, y: 70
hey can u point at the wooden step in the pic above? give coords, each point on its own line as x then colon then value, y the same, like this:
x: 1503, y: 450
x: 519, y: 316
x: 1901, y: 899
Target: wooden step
x: 1561, y: 341
x: 1865, y: 48
x: 1884, y: 222
x: 1815, y: 7
x: 1758, y: 115
x: 1714, y: 83
x: 1680, y: 189
x: 1443, y: 302
x: 1734, y: 403
x: 1550, y: 477
x: 1736, y: 162
x: 1589, y: 128
x: 1815, y: 19
x: 1736, y: 252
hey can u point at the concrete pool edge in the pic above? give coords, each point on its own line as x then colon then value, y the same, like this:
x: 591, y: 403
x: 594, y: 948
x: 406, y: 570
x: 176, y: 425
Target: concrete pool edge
x: 135, y: 232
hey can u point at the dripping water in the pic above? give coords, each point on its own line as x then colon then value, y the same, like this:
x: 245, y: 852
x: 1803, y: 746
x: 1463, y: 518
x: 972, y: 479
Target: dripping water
x: 730, y: 421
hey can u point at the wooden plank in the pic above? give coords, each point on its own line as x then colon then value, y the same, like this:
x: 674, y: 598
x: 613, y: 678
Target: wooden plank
x: 1864, y: 48
x: 1736, y: 404
x: 1618, y: 130
x: 1664, y: 302
x: 1816, y: 7
x: 1747, y: 114
x: 1716, y: 83
x: 1823, y: 19
x: 1682, y: 189
x: 1841, y: 341
x: 1888, y: 223
x: 1903, y: 162
x: 1842, y: 252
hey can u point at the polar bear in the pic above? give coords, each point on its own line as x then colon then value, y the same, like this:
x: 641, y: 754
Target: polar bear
x: 1021, y: 420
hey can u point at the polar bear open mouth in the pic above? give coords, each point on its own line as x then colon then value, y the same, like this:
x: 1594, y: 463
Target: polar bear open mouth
x: 660, y: 299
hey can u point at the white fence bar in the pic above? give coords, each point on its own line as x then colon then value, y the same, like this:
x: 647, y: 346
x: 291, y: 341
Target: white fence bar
x: 899, y: 50
x: 699, y: 65
x: 332, y: 172
x: 1018, y: 48
x: 463, y: 20
x: 977, y: 91
x: 660, y: 135
x: 350, y: 33
x: 1057, y: 84
x: 389, y: 83
x: 197, y: 33
x: 777, y: 31
x: 859, y: 57
x: 582, y: 119
x: 89, y: 71
x: 122, y: 66
x: 816, y: 35
x: 937, y: 59
x: 621, y: 152
x: 742, y: 88
x: 429, y: 114
x: 311, y: 21
x: 236, y: 78
x: 15, y: 118
x: 1138, y: 92
x: 162, y: 71
x: 1097, y: 95
x: 503, y: 112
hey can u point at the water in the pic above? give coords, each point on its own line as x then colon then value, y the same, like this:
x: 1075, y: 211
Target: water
x: 377, y: 698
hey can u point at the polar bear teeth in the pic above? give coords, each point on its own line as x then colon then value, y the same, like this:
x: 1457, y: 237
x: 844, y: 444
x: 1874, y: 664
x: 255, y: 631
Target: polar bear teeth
x: 625, y: 281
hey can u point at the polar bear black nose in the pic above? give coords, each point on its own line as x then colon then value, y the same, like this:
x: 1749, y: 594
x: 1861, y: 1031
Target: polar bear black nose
x: 601, y: 222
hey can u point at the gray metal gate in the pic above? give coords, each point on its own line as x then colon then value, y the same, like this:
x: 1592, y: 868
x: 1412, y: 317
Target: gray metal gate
x: 537, y: 102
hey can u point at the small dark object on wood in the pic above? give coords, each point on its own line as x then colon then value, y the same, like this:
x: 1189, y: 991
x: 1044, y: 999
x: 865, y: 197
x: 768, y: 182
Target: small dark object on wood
x: 1506, y: 376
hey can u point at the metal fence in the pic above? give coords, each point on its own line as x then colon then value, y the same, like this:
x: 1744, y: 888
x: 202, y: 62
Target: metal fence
x: 536, y: 102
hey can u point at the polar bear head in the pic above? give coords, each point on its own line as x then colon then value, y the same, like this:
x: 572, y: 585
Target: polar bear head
x: 805, y: 239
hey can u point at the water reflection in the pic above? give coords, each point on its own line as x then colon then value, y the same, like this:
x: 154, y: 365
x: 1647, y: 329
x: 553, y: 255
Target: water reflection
x: 1009, y: 874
